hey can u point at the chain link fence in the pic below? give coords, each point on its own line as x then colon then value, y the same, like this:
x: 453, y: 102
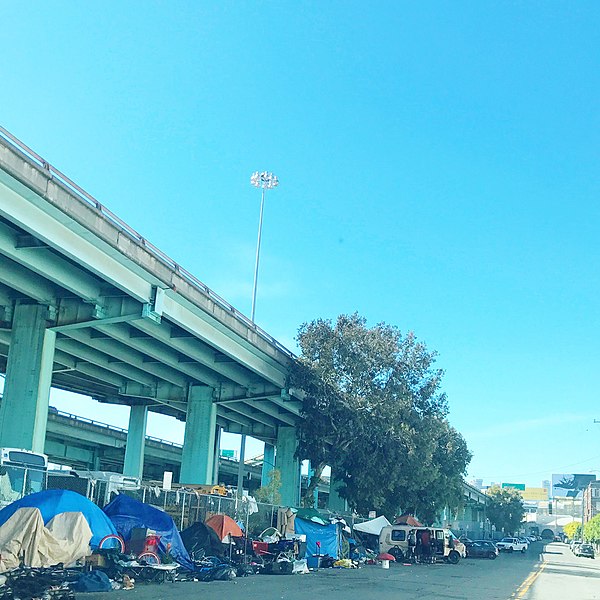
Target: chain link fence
x: 187, y: 507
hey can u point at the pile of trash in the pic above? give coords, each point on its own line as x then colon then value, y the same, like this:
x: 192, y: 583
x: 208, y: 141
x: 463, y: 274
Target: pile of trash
x: 42, y: 582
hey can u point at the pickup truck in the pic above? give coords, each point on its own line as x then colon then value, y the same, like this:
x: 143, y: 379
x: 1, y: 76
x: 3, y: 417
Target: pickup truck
x: 511, y: 545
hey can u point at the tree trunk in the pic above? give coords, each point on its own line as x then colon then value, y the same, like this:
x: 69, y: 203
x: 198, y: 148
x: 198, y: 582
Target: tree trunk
x: 308, y: 500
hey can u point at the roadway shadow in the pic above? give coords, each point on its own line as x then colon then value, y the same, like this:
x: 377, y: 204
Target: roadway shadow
x: 583, y: 570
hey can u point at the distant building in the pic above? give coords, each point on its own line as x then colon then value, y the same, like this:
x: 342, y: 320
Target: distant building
x: 591, y: 501
x: 477, y: 483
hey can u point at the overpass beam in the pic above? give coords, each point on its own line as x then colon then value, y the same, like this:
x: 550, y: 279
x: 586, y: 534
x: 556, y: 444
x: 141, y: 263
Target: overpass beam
x: 288, y: 465
x: 24, y: 408
x: 268, y: 464
x: 136, y: 441
x: 197, y: 459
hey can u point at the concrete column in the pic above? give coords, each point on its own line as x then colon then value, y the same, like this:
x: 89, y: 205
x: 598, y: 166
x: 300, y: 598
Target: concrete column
x: 336, y: 503
x: 136, y: 441
x: 24, y: 407
x: 241, y: 465
x: 217, y: 456
x: 197, y: 459
x: 288, y: 465
x: 268, y: 464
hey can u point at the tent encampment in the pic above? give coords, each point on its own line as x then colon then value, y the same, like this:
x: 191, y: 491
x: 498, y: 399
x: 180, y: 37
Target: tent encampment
x: 127, y: 513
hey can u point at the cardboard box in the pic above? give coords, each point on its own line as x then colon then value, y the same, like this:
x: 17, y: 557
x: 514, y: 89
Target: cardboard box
x: 95, y: 560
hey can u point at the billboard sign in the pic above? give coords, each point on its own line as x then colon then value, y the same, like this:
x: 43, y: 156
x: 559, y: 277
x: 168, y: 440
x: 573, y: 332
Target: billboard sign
x: 535, y: 494
x: 516, y: 486
x: 570, y: 485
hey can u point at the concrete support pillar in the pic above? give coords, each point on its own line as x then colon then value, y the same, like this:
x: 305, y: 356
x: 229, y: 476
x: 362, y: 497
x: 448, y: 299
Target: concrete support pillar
x: 24, y: 407
x: 197, y: 459
x: 217, y: 456
x: 241, y: 465
x: 136, y: 441
x: 288, y: 465
x: 96, y: 461
x: 336, y: 502
x: 268, y: 464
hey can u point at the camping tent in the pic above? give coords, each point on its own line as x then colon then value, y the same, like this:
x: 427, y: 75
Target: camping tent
x: 329, y: 536
x: 224, y: 527
x: 127, y: 513
x: 408, y: 520
x: 54, y: 502
x: 24, y: 537
x: 200, y: 536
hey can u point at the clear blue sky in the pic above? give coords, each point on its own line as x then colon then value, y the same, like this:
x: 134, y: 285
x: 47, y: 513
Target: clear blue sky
x: 439, y: 167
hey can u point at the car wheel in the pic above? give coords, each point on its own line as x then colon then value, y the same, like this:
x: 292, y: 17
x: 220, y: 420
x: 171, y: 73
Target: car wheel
x: 523, y: 550
x: 453, y: 557
x: 510, y: 549
x: 492, y: 555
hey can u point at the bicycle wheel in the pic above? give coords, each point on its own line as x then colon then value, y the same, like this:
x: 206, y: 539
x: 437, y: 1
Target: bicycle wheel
x: 149, y: 558
x: 112, y: 536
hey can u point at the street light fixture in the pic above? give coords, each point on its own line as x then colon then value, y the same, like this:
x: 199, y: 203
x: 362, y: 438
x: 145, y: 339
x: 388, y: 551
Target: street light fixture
x: 266, y: 181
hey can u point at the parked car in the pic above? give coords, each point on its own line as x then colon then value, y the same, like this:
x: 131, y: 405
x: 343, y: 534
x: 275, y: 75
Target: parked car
x: 512, y: 544
x: 575, y: 545
x: 586, y: 550
x: 481, y: 549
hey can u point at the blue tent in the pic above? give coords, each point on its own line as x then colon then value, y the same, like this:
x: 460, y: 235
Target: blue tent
x: 328, y: 535
x: 54, y: 502
x: 127, y: 513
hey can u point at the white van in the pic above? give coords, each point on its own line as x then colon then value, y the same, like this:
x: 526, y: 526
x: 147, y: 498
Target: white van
x: 394, y: 540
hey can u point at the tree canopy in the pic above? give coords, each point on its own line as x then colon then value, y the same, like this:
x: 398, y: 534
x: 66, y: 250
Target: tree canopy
x: 573, y: 530
x: 375, y: 413
x: 505, y: 508
x: 591, y: 530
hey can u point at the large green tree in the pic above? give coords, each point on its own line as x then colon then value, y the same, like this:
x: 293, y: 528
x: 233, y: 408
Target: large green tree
x: 505, y: 508
x: 376, y: 414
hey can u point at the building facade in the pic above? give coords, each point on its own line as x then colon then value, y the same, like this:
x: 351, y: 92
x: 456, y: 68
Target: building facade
x: 591, y: 501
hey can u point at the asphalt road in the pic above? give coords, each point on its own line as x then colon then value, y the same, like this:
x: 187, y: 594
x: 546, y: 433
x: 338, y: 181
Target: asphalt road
x: 563, y: 576
x: 471, y: 579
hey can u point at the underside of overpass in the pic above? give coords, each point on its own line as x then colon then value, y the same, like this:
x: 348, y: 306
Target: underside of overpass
x: 89, y: 306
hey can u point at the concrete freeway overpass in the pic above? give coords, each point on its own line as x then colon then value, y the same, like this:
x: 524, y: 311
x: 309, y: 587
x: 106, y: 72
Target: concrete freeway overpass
x: 90, y: 306
x: 83, y: 443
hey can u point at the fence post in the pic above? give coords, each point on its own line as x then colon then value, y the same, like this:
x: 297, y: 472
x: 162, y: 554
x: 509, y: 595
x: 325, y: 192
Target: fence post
x: 182, y: 512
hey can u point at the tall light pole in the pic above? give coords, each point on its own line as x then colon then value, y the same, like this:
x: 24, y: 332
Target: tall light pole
x: 266, y: 181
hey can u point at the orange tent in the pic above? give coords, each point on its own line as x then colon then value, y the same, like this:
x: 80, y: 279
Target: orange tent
x: 224, y: 526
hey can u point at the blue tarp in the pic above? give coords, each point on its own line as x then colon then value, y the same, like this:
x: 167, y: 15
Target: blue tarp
x: 127, y: 513
x: 328, y: 535
x: 54, y: 502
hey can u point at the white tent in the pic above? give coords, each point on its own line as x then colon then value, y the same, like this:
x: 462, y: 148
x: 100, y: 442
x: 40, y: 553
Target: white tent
x: 372, y: 527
